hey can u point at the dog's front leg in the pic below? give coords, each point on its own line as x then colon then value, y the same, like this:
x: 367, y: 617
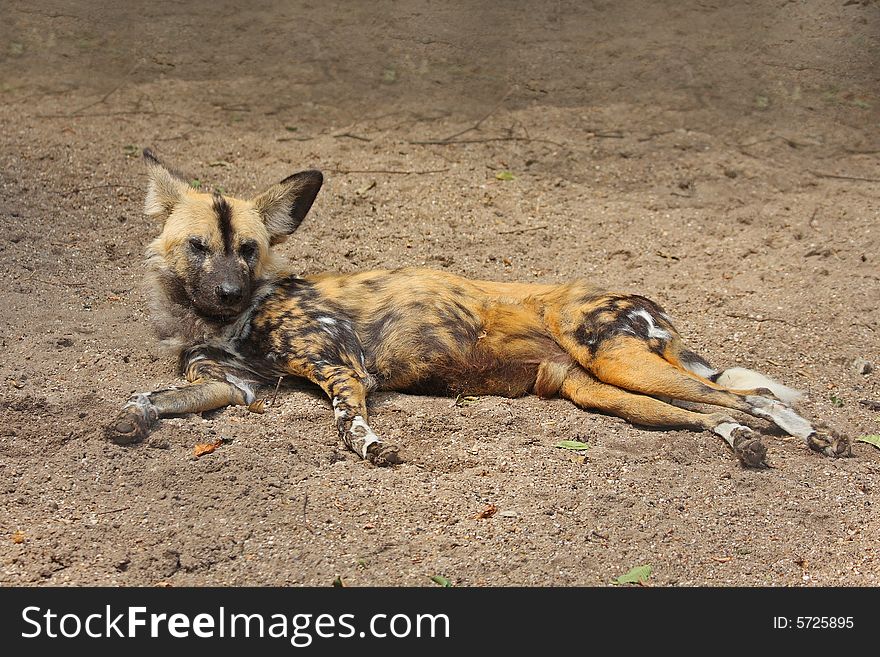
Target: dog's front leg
x: 140, y: 413
x: 214, y: 384
x: 348, y: 391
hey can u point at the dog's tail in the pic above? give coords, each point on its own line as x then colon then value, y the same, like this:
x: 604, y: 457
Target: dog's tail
x: 739, y: 378
x: 742, y: 379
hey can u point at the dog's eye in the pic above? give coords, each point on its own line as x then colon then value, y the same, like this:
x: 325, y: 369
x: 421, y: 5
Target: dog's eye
x: 247, y: 250
x: 197, y: 245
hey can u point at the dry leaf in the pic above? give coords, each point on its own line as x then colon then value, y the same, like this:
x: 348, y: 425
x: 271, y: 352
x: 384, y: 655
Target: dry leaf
x: 257, y: 406
x: 206, y: 448
x: 487, y: 512
x: 363, y: 190
x: 721, y: 559
x: 18, y: 537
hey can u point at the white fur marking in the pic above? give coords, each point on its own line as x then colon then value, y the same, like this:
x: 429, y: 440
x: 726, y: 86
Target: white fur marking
x: 739, y: 378
x: 244, y: 386
x: 653, y: 331
x: 328, y: 324
x: 699, y: 369
x: 369, y: 437
x: 153, y: 206
x: 726, y: 429
x: 338, y: 413
x: 782, y: 416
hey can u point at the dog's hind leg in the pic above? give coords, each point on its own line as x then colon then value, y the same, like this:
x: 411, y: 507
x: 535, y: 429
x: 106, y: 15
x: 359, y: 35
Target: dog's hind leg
x: 628, y: 363
x: 629, y: 342
x: 587, y: 391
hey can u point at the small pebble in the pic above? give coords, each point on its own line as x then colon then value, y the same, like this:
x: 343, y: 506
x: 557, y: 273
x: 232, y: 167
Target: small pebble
x: 862, y: 366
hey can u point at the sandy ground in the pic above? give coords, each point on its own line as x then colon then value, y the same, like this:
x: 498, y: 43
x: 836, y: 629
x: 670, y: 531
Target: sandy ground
x: 720, y: 158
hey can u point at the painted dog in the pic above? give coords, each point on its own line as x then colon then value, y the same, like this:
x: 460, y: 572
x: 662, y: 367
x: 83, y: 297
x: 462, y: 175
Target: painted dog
x: 223, y: 301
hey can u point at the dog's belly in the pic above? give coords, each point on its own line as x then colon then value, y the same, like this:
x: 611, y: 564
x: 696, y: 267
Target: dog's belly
x: 492, y: 349
x: 503, y: 379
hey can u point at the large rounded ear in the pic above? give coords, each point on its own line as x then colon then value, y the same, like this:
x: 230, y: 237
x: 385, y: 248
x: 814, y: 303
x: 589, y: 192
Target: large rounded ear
x: 164, y: 190
x: 285, y: 205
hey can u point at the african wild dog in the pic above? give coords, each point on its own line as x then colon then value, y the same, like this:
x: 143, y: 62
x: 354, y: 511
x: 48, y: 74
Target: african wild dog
x: 238, y: 320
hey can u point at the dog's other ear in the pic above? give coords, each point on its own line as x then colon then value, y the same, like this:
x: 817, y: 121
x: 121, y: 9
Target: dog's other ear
x: 284, y: 206
x: 164, y: 190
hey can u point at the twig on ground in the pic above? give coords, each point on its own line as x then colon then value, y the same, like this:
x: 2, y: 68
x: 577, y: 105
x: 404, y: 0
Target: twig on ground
x: 757, y: 318
x: 77, y: 190
x: 275, y: 394
x: 797, y: 67
x: 351, y: 135
x: 398, y: 172
x: 606, y: 134
x: 480, y: 122
x: 305, y: 519
x: 834, y: 176
x: 109, y: 93
x: 791, y: 143
x: 104, y: 513
x: 655, y: 134
x: 521, y: 230
x: 116, y: 113
x: 33, y: 277
x: 67, y: 283
x: 443, y: 142
x: 182, y: 135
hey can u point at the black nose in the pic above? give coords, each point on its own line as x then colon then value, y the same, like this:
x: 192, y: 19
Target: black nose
x: 229, y: 293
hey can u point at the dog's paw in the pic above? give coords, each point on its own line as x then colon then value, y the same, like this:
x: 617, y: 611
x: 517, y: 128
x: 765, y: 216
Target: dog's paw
x: 383, y: 455
x: 132, y: 425
x: 748, y: 448
x: 830, y: 443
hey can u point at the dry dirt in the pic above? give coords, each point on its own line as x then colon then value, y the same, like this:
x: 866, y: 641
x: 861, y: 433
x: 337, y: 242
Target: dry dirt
x: 718, y: 157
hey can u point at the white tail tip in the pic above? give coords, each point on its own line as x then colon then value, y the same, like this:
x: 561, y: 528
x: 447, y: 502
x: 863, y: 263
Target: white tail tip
x: 739, y: 378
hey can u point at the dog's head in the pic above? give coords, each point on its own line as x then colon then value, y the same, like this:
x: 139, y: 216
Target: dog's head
x: 214, y: 248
